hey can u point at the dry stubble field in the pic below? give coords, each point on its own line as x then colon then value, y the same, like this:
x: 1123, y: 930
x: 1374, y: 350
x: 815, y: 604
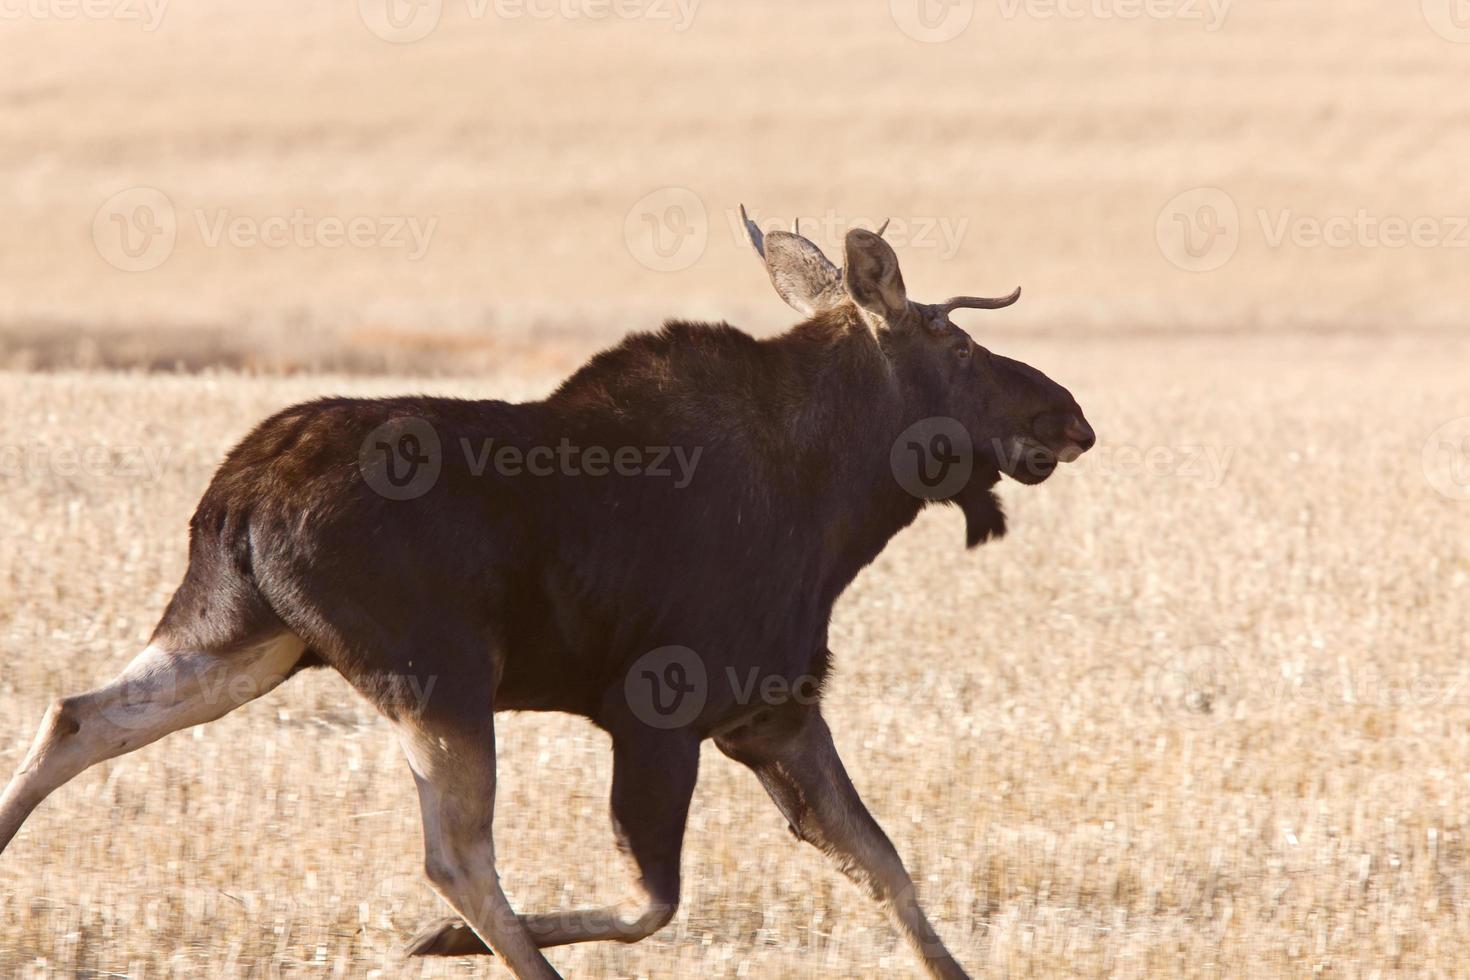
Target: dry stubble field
x: 1204, y: 712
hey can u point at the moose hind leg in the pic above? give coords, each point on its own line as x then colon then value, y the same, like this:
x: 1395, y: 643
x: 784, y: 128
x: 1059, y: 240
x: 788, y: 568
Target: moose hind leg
x: 654, y: 774
x: 793, y: 756
x: 453, y: 763
x: 159, y: 692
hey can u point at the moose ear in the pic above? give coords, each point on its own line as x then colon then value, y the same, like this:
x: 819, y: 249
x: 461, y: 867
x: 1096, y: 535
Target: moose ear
x: 873, y: 279
x: 985, y: 518
x: 800, y: 272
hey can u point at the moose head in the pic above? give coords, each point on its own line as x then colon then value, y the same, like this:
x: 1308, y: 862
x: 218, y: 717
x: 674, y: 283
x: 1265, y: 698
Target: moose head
x: 1019, y: 421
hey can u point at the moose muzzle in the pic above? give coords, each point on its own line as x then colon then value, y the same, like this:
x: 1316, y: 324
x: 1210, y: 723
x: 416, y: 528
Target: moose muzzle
x: 1066, y: 434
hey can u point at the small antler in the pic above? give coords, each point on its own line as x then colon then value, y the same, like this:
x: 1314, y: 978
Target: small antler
x: 883, y: 227
x: 978, y: 302
x: 757, y: 237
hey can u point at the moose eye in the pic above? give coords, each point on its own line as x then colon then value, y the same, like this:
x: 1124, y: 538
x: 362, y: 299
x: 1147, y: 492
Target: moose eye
x: 962, y: 352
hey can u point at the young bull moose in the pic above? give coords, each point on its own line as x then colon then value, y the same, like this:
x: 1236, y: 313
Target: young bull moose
x: 405, y: 541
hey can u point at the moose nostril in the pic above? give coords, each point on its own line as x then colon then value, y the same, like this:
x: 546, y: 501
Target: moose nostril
x: 1080, y: 434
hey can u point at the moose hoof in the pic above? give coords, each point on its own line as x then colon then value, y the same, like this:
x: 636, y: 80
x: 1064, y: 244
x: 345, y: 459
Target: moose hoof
x: 447, y: 937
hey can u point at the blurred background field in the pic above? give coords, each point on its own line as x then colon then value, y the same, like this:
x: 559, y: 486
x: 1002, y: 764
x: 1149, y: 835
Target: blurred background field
x: 1030, y: 149
x: 1203, y: 713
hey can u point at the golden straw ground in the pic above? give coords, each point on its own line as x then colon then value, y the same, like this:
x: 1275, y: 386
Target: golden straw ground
x: 1203, y: 718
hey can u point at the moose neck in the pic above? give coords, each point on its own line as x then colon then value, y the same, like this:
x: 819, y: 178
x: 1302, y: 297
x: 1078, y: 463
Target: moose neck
x: 892, y: 388
x: 856, y: 402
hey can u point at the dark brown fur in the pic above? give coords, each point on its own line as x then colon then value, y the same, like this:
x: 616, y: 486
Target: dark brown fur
x: 573, y: 576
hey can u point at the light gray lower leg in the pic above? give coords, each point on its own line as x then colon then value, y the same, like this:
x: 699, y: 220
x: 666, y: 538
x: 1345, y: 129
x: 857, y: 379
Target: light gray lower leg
x: 455, y: 775
x: 799, y: 766
x: 654, y: 774
x: 159, y: 692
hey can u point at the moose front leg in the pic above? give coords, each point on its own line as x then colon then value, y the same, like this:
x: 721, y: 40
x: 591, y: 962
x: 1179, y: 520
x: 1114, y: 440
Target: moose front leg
x: 791, y: 752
